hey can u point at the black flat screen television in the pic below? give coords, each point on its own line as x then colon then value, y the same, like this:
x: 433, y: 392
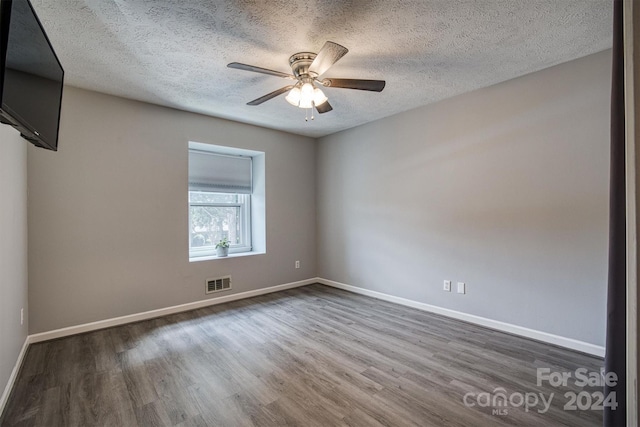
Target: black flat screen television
x: 31, y: 76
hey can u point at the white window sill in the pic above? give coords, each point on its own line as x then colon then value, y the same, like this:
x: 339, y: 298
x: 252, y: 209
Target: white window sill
x: 213, y: 257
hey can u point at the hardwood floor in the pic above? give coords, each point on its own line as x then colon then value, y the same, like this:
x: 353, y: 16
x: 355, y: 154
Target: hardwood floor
x: 312, y: 356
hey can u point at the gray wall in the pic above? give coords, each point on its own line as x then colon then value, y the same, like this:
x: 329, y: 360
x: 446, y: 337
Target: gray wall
x: 108, y: 212
x: 504, y: 188
x: 13, y: 248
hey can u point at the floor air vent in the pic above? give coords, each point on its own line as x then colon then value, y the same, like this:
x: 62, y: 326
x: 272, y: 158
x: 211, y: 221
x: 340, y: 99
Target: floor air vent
x: 218, y: 284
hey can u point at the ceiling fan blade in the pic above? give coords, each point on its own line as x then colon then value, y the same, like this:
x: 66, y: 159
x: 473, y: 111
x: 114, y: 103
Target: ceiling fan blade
x: 328, y: 55
x: 325, y: 107
x: 372, y: 85
x: 239, y: 66
x: 270, y: 95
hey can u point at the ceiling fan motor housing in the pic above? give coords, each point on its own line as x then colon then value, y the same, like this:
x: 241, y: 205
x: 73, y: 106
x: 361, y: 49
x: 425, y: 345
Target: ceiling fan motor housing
x: 300, y: 63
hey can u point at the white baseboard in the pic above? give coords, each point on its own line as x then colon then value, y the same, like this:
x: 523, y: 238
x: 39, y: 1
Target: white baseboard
x: 570, y: 343
x: 116, y: 321
x: 14, y: 375
x: 107, y: 323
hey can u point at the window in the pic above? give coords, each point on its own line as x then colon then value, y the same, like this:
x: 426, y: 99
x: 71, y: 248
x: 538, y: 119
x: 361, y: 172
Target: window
x: 214, y: 216
x: 220, y: 187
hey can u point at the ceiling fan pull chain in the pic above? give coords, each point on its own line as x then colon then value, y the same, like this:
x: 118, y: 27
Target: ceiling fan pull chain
x: 306, y: 114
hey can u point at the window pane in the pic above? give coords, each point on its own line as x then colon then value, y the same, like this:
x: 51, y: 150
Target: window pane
x: 209, y: 225
x: 205, y: 197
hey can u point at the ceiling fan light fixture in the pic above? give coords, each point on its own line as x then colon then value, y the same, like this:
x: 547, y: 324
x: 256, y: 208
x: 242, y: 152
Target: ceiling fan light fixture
x: 319, y: 97
x: 306, y: 95
x: 293, y: 97
x: 305, y: 103
x: 306, y: 91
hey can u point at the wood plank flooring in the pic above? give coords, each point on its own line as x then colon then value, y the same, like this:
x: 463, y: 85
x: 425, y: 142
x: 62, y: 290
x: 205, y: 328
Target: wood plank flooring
x: 311, y: 356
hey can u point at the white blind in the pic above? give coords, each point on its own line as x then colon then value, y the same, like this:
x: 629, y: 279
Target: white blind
x: 220, y: 173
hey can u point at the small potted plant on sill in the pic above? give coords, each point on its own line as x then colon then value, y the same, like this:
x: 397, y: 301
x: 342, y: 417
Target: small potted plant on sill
x: 222, y: 247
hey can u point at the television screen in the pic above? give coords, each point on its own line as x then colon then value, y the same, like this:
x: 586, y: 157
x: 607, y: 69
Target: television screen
x: 32, y: 76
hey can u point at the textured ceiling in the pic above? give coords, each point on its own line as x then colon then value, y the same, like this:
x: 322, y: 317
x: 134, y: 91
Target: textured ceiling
x: 174, y: 53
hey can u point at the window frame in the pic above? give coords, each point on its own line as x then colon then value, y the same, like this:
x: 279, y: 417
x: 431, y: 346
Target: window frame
x: 244, y: 205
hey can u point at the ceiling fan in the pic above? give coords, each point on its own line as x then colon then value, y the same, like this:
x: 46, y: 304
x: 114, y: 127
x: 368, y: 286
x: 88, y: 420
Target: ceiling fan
x: 307, y: 67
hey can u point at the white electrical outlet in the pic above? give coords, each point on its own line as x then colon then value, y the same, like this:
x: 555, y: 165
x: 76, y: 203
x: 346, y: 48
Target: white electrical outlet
x: 447, y: 286
x: 22, y: 316
x: 461, y: 288
x: 297, y: 264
